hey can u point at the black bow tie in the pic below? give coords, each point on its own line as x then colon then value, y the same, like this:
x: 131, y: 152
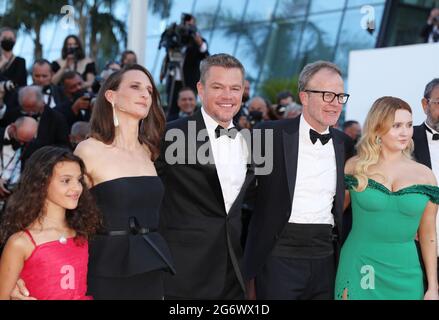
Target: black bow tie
x: 314, y: 135
x: 435, y: 135
x: 231, y: 133
x: 13, y: 143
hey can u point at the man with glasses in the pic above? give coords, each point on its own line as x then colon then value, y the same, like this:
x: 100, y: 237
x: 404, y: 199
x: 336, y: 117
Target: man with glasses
x: 293, y: 238
x: 426, y: 135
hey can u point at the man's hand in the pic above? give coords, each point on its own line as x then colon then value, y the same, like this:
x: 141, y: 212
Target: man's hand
x: 70, y: 62
x: 198, y: 39
x: 82, y: 103
x: 20, y: 292
x: 251, y: 289
x: 433, y: 14
x: 4, y: 193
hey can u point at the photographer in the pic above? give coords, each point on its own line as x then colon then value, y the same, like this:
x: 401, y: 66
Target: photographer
x: 430, y: 32
x: 73, y: 59
x: 110, y: 68
x: 13, y: 68
x: 185, y: 49
x: 78, y: 102
x: 12, y: 140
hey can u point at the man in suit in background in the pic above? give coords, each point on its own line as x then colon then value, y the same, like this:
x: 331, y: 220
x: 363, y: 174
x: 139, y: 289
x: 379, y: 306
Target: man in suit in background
x: 426, y: 135
x: 294, y: 232
x: 52, y: 127
x: 12, y: 141
x: 201, y: 211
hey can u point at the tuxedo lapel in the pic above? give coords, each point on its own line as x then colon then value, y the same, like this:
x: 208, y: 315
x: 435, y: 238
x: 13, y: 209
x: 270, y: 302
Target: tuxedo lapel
x: 422, y: 152
x: 209, y: 169
x: 291, y: 152
x: 339, y: 162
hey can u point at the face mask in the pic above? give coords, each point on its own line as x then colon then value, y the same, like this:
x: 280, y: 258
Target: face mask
x: 7, y: 44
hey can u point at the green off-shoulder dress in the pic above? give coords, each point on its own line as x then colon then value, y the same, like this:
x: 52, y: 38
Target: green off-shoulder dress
x: 379, y: 260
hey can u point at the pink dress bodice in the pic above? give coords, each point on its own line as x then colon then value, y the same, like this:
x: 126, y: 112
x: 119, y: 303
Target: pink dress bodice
x: 57, y: 271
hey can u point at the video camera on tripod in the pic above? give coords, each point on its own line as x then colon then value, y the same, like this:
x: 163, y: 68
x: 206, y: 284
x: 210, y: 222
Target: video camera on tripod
x: 176, y: 39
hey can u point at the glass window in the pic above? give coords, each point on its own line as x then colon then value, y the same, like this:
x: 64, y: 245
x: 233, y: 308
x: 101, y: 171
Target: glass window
x: 319, y: 37
x: 205, y: 12
x: 356, y: 3
x: 222, y: 42
x: 151, y: 55
x: 325, y: 5
x: 292, y: 8
x: 279, y: 60
x: 352, y: 37
x: 231, y: 12
x: 155, y: 23
x: 251, y: 47
x: 260, y: 10
x: 179, y: 7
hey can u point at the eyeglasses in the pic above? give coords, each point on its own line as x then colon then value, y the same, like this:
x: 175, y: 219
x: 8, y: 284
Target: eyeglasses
x: 435, y: 102
x: 329, y: 96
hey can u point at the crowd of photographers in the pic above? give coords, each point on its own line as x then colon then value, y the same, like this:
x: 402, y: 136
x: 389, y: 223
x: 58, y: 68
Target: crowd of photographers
x: 54, y: 109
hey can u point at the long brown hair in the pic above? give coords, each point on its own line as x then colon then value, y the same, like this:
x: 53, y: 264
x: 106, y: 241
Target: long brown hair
x: 151, y: 128
x: 27, y: 203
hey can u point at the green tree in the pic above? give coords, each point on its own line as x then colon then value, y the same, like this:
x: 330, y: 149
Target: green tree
x: 30, y: 16
x: 271, y: 87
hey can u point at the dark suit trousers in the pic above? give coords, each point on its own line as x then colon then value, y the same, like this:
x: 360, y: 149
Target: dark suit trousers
x: 296, y: 279
x: 232, y: 289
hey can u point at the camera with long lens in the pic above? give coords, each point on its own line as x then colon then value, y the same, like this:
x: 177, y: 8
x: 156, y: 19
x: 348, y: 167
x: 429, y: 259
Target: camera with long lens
x: 254, y: 117
x: 177, y: 36
x: 7, y: 86
x: 73, y: 51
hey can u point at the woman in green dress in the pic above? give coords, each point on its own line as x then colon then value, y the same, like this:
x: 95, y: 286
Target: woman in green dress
x: 393, y: 200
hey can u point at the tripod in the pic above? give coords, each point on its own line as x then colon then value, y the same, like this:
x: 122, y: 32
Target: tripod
x: 175, y: 74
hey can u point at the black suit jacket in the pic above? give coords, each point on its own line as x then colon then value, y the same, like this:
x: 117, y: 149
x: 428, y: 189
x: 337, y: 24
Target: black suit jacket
x: 52, y: 130
x: 275, y: 193
x: 202, y: 237
x: 421, y: 152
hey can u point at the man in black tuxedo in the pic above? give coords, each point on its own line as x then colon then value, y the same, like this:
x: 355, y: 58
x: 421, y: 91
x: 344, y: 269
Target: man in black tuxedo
x: 293, y: 237
x: 52, y: 127
x: 426, y: 135
x: 42, y: 75
x: 205, y: 187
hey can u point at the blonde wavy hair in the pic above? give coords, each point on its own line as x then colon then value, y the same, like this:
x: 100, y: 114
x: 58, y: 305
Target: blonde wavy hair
x: 378, y: 122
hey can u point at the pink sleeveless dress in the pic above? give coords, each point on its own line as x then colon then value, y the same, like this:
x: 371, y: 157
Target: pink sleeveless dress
x: 57, y: 271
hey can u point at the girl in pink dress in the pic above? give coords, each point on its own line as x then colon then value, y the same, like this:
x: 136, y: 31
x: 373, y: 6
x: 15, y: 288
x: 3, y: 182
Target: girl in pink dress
x: 45, y: 229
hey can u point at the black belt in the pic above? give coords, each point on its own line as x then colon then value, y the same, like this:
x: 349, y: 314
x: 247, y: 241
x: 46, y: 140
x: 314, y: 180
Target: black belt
x: 135, y: 229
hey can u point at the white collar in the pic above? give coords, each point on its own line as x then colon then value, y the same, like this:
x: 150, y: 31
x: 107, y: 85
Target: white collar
x: 304, y: 126
x: 211, y: 123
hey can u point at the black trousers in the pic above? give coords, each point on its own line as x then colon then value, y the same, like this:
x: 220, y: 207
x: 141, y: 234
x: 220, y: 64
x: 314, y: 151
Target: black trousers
x: 232, y: 290
x: 284, y: 278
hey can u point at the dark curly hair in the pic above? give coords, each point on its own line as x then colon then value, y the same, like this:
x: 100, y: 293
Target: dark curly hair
x: 26, y: 204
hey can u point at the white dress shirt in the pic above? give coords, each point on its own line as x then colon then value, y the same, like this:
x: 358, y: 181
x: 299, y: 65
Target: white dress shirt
x: 10, y: 162
x: 433, y: 146
x: 316, y: 180
x: 230, y: 156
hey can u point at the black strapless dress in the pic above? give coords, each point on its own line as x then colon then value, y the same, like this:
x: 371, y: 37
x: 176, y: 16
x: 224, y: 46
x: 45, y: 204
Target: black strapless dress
x: 127, y: 261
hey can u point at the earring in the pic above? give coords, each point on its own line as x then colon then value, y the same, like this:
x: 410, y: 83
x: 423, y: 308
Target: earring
x: 378, y: 140
x: 116, y: 121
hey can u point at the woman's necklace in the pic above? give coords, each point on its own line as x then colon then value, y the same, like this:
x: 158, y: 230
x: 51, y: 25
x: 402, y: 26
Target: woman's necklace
x: 63, y: 234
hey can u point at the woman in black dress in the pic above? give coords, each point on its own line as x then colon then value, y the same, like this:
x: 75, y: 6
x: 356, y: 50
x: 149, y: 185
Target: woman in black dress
x: 73, y: 59
x: 128, y: 259
x: 11, y: 67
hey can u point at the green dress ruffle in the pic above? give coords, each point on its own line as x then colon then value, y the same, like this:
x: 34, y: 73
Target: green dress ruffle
x: 379, y: 259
